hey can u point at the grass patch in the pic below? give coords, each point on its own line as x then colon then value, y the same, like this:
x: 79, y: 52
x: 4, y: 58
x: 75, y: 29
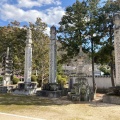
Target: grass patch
x: 9, y: 99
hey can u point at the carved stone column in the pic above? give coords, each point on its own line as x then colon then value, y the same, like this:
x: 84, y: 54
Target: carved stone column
x: 117, y: 46
x: 28, y: 57
x: 52, y: 64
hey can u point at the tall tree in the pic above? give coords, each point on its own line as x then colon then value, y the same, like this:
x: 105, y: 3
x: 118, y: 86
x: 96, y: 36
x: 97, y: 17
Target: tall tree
x: 14, y: 38
x: 40, y: 50
x: 78, y: 26
x: 107, y: 26
x: 72, y: 26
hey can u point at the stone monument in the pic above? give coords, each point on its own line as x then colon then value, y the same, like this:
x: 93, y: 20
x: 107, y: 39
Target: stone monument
x: 7, y: 64
x: 81, y: 90
x: 113, y: 96
x: 27, y: 87
x: 7, y: 70
x: 117, y: 46
x: 52, y: 63
x: 51, y: 89
x: 28, y: 58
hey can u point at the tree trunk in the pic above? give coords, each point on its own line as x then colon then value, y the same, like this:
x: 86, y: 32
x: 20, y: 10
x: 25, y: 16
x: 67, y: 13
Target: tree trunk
x: 111, y: 56
x: 93, y: 76
x: 112, y: 72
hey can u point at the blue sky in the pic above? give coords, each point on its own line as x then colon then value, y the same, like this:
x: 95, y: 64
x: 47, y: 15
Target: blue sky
x: 24, y: 11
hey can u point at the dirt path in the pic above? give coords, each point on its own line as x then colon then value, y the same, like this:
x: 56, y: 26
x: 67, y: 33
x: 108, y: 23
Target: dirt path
x: 6, y: 116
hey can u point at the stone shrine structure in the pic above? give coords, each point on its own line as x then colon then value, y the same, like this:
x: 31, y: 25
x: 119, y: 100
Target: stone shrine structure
x: 7, y: 64
x: 7, y: 70
x: 80, y: 90
x: 117, y: 46
x: 27, y: 87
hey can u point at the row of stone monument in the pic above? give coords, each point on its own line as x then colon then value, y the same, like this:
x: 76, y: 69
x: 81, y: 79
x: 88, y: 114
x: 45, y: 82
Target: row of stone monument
x: 52, y: 89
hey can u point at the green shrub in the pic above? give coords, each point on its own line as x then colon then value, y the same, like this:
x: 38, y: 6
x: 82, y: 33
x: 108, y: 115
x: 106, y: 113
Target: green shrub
x: 62, y: 79
x: 33, y: 78
x: 1, y: 78
x: 15, y: 80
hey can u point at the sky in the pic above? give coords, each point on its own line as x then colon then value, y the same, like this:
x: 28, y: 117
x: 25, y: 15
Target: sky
x: 25, y: 11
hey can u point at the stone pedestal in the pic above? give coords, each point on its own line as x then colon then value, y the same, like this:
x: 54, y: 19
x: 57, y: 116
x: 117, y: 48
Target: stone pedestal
x: 25, y: 89
x: 3, y: 89
x: 51, y: 94
x: 52, y: 90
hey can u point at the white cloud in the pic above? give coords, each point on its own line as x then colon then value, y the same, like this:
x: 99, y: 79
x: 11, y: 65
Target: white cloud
x: 32, y: 3
x: 47, y: 31
x: 56, y: 2
x: 51, y: 16
x: 28, y: 3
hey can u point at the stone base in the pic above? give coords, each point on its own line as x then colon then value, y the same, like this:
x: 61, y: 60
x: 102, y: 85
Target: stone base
x: 51, y: 94
x: 25, y: 88
x: 24, y: 91
x: 111, y: 99
x: 3, y: 89
x: 6, y: 89
x: 52, y: 87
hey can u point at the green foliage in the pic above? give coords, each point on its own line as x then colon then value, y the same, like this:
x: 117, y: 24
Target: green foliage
x: 59, y: 69
x: 40, y: 50
x: 1, y: 78
x: 34, y: 78
x: 15, y: 80
x: 62, y: 79
x: 71, y: 27
x: 105, y: 69
x: 14, y: 38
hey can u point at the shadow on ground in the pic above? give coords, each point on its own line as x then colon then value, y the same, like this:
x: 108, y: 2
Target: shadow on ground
x: 9, y: 99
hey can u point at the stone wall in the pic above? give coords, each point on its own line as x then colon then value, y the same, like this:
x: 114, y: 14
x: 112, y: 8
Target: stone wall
x: 102, y: 82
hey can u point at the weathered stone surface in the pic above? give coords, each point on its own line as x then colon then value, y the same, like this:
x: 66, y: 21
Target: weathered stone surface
x: 111, y: 99
x: 28, y: 57
x: 3, y: 89
x: 51, y: 94
x: 117, y: 46
x: 52, y: 67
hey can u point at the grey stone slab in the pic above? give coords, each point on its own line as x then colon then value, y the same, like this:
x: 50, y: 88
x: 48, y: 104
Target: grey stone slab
x: 111, y: 99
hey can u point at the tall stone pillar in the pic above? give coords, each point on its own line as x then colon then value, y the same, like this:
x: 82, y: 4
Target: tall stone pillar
x: 28, y: 57
x: 52, y: 64
x: 117, y: 46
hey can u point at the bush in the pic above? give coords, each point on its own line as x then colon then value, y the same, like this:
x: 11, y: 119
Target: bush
x: 15, y: 80
x: 1, y: 78
x: 33, y: 78
x: 62, y: 79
